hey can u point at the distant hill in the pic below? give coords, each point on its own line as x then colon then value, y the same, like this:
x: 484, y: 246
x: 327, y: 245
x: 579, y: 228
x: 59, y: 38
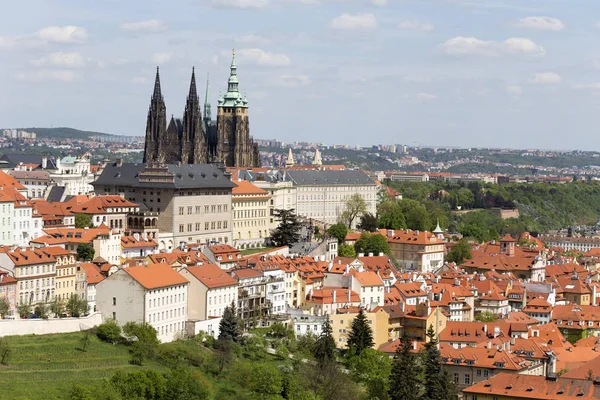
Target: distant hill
x: 63, y: 133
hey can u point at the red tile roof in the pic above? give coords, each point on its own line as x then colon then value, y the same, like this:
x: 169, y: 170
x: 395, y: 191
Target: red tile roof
x: 212, y: 276
x: 155, y: 276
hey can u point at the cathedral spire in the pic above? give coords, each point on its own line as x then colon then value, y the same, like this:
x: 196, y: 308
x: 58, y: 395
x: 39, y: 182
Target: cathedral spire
x: 193, y: 93
x: 207, y: 113
x: 157, y: 92
x: 233, y: 83
x: 290, y: 159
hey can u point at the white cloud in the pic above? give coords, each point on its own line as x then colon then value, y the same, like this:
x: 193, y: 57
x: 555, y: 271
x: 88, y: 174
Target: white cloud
x: 161, y: 58
x: 63, y: 34
x: 294, y: 80
x: 360, y: 21
x: 545, y: 78
x: 241, y: 3
x: 461, y: 45
x: 541, y: 23
x: 380, y: 3
x: 425, y: 96
x: 416, y: 25
x: 260, y: 57
x: 253, y: 39
x: 214, y: 59
x: 152, y: 25
x: 60, y: 59
x: 418, y: 79
x: 515, y: 90
x: 63, y: 75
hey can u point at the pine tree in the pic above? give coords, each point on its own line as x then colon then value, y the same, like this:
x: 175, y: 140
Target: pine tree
x: 288, y: 231
x: 438, y: 385
x: 404, y: 379
x: 324, y: 351
x: 229, y: 327
x: 361, y: 334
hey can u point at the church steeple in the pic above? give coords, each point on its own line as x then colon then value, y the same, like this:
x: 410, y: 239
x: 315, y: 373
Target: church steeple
x: 157, y: 92
x: 290, y: 159
x: 233, y: 97
x: 207, y: 111
x: 193, y: 141
x: 193, y: 94
x: 317, y: 160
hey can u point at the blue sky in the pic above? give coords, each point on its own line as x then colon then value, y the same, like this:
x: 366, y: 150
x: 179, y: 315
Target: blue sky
x: 501, y: 73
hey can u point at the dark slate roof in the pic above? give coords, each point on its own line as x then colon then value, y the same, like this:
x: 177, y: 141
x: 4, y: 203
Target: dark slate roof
x: 328, y: 178
x: 56, y: 194
x: 186, y: 176
x: 13, y: 160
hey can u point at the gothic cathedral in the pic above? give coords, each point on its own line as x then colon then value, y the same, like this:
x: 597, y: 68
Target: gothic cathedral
x: 198, y: 140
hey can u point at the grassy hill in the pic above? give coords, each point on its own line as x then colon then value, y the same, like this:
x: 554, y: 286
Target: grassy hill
x: 63, y: 133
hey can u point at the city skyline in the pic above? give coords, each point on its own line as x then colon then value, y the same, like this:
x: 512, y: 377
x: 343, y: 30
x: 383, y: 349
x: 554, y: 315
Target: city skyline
x: 440, y: 73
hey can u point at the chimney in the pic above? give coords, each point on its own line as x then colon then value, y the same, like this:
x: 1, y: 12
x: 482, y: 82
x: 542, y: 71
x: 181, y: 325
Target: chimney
x: 361, y: 255
x: 507, y: 347
x: 119, y: 163
x: 390, y: 233
x: 496, y: 331
x: 380, y: 254
x: 44, y: 162
x: 347, y: 268
x: 370, y: 254
x: 334, y: 296
x: 310, y: 294
x: 489, y: 345
x: 401, y: 304
x: 349, y: 297
x: 485, y: 328
x: 414, y: 345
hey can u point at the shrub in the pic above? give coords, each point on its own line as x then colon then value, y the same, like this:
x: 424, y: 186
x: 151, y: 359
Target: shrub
x: 109, y: 331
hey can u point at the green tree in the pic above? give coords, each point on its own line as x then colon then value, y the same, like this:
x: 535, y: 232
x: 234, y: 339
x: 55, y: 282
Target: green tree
x: 83, y: 221
x: 85, y: 252
x: 436, y: 380
x: 288, y: 231
x: 224, y: 354
x: 183, y: 384
x: 109, y: 331
x: 4, y: 307
x: 324, y: 350
x: 42, y: 310
x: 5, y: 351
x: 229, y: 327
x: 391, y: 215
x: 486, y: 316
x: 79, y: 392
x: 368, y: 223
x: 266, y: 380
x: 404, y: 379
x: 417, y: 218
x: 460, y: 252
x: 76, y: 306
x: 144, y: 384
x: 144, y: 340
x: 57, y: 307
x: 346, y: 250
x: 372, y: 243
x: 361, y: 334
x: 255, y: 348
x: 355, y: 206
x: 372, y: 368
x: 24, y: 310
x: 338, y: 231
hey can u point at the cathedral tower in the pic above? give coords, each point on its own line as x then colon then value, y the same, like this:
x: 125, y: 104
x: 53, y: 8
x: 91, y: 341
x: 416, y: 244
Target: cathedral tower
x: 193, y: 143
x: 234, y: 145
x: 156, y: 124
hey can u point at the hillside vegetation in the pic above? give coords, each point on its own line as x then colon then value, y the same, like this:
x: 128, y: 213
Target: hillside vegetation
x: 63, y: 133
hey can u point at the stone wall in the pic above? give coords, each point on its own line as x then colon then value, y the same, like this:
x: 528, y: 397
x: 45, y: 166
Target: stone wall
x: 10, y: 327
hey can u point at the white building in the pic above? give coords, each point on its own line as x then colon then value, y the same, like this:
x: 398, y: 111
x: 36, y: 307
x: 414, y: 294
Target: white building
x: 137, y: 245
x: 370, y: 287
x: 6, y: 219
x: 276, y: 290
x: 211, y: 290
x: 153, y: 293
x: 250, y: 211
x: 308, y: 324
x: 93, y: 277
x: 322, y: 194
x: 73, y: 173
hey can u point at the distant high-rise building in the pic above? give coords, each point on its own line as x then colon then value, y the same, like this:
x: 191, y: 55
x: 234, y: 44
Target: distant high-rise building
x: 196, y: 140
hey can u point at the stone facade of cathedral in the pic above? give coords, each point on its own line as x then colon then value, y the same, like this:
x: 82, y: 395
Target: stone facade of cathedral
x: 195, y: 139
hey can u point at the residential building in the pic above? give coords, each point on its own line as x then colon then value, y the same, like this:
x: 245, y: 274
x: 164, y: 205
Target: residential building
x: 137, y: 245
x: 210, y: 291
x: 415, y: 250
x: 35, y: 272
x: 193, y: 200
x: 252, y: 305
x: 341, y: 323
x: 465, y: 334
x: 539, y: 309
x: 152, y: 293
x: 93, y: 277
x: 275, y: 290
x: 224, y: 255
x: 8, y: 291
x: 110, y: 210
x: 305, y: 324
x: 66, y: 283
x: 577, y: 243
x: 250, y: 210
x: 73, y: 173
x: 370, y: 287
x: 37, y: 182
x: 506, y: 386
x: 327, y: 300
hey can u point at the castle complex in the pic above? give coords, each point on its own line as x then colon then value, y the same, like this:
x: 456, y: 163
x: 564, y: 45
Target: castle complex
x: 195, y: 139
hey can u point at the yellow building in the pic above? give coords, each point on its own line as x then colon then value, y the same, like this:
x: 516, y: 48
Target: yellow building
x: 250, y: 207
x: 414, y: 320
x: 66, y: 282
x: 342, y: 321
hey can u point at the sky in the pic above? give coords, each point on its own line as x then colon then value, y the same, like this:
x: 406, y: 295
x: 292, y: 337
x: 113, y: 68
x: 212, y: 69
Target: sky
x: 469, y: 73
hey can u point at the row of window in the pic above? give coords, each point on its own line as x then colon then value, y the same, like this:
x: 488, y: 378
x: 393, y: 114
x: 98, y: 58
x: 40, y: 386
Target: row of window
x: 220, y: 299
x: 213, y: 225
x: 249, y: 214
x: 208, y: 209
x: 161, y: 316
x: 164, y: 300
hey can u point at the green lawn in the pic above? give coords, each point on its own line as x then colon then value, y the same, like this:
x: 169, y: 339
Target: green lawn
x: 47, y: 366
x: 247, y: 252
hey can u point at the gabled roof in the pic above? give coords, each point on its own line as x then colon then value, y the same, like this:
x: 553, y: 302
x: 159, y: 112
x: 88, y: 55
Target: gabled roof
x: 92, y: 272
x: 247, y: 188
x: 156, y: 276
x: 368, y: 278
x: 211, y: 276
x: 101, y: 204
